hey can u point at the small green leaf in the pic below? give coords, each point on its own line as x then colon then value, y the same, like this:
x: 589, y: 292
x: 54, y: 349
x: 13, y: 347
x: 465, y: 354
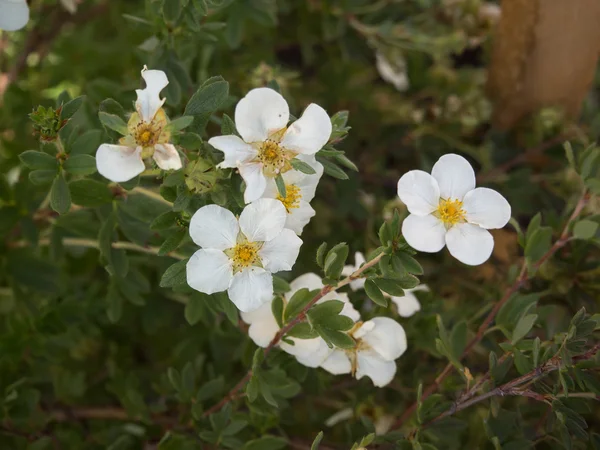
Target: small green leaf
x: 38, y: 160
x: 60, y: 197
x: 266, y: 443
x: 180, y: 123
x: 90, y: 193
x: 390, y: 286
x: 317, y: 441
x: 165, y: 221
x: 171, y: 10
x: 208, y: 98
x: 80, y: 165
x: 337, y: 338
x: 172, y: 242
x: 277, y: 310
x: 523, y: 327
x: 297, y: 303
x: 280, y: 186
x: 280, y: 286
x: 70, y: 108
x: 410, y: 263
x: 42, y: 177
x: 87, y: 143
x: 538, y: 243
x: 344, y: 161
x: 113, y: 122
x: 303, y: 167
x: 321, y: 254
x: 174, y: 275
x: 332, y: 169
x: 375, y: 294
x: 585, y: 229
x: 228, y: 126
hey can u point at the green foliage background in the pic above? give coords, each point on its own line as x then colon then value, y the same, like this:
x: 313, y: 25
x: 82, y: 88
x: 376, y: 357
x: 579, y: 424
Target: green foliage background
x: 95, y: 354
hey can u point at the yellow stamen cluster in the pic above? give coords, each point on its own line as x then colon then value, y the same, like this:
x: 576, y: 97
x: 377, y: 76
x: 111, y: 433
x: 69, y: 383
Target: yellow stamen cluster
x: 292, y: 197
x: 245, y: 254
x: 147, y: 134
x: 275, y: 159
x: 451, y: 212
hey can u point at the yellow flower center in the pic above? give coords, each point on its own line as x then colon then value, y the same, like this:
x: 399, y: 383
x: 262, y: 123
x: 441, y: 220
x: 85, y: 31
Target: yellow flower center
x: 244, y: 254
x: 275, y: 159
x: 147, y: 134
x: 450, y: 211
x: 292, y: 197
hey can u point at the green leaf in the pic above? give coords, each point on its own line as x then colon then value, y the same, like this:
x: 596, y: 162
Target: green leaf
x: 172, y: 242
x: 317, y: 441
x: 228, y: 126
x: 113, y: 122
x: 585, y: 229
x: 303, y: 167
x: 410, y: 263
x: 458, y: 339
x: 523, y: 327
x: 60, y: 197
x: 90, y: 193
x: 280, y: 286
x: 337, y: 338
x: 302, y: 330
x: 171, y: 10
x: 180, y: 123
x: 321, y: 311
x: 174, y: 275
x: 38, y: 160
x: 70, y: 108
x: 194, y: 308
x: 321, y: 254
x: 280, y: 185
x: 408, y: 281
x: 42, y: 177
x: 80, y: 165
x: 335, y: 265
x: 344, y: 161
x: 252, y: 389
x: 390, y: 286
x: 266, y: 443
x: 375, y: 294
x: 538, y: 244
x: 297, y: 303
x: 87, y: 143
x: 277, y: 310
x: 226, y: 306
x: 114, y: 303
x: 165, y: 221
x: 332, y: 169
x: 208, y: 98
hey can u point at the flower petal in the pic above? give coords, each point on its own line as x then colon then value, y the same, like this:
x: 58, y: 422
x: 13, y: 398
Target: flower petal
x: 425, y: 234
x: 251, y: 288
x: 255, y: 180
x: 213, y: 226
x: 209, y: 271
x: 281, y: 252
x: 470, y: 244
x: 14, y: 14
x: 387, y: 338
x: 309, y: 133
x: 337, y: 363
x: 148, y: 100
x: 167, y: 157
x: 299, y: 217
x: 454, y: 175
x: 409, y: 303
x: 263, y: 326
x: 419, y: 192
x: 263, y: 219
x: 310, y: 281
x: 119, y: 163
x: 260, y: 113
x: 486, y: 208
x: 234, y: 149
x: 380, y: 371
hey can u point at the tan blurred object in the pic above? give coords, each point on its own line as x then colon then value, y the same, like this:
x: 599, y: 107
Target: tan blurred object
x: 545, y: 54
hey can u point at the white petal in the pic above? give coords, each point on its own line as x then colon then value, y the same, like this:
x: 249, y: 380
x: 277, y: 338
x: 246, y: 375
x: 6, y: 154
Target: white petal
x: 310, y: 281
x: 299, y: 217
x: 255, y: 181
x: 337, y: 363
x: 209, y: 271
x: 487, y: 208
x: 408, y: 304
x: 213, y: 226
x: 251, y: 288
x: 263, y: 219
x: 359, y: 259
x: 263, y: 326
x: 119, y: 163
x: 419, y: 192
x: 14, y: 14
x: 380, y: 371
x: 469, y: 243
x: 454, y: 175
x: 260, y: 113
x: 234, y: 149
x: 166, y: 157
x: 387, y: 338
x: 315, y: 357
x: 425, y: 234
x: 281, y: 252
x: 309, y: 133
x: 148, y: 100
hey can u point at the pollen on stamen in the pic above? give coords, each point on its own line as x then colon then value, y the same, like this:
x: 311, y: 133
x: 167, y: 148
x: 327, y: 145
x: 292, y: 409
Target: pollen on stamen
x: 451, y: 212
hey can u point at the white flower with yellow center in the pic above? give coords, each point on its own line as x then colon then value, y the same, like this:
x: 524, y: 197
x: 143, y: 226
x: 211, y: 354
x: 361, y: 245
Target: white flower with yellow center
x: 239, y: 256
x: 310, y: 352
x: 14, y: 14
x: 300, y: 189
x: 268, y: 145
x: 379, y: 342
x: 147, y: 136
x: 447, y: 210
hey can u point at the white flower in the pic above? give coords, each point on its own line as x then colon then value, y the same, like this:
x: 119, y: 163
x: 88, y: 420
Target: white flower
x: 379, y: 342
x: 393, y: 72
x: 447, y: 209
x: 359, y: 283
x: 409, y: 303
x: 300, y: 190
x: 14, y: 14
x: 310, y: 352
x: 148, y: 136
x: 267, y: 147
x: 240, y: 256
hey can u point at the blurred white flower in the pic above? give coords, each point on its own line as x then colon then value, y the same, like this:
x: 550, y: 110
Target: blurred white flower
x: 393, y: 71
x: 359, y: 283
x: 263, y: 326
x: 447, y: 210
x: 148, y: 136
x: 70, y: 5
x: 240, y: 255
x: 379, y: 342
x: 268, y: 146
x: 14, y: 14
x: 409, y: 303
x: 300, y: 190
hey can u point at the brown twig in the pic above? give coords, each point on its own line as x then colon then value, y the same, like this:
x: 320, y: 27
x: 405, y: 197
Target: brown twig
x: 285, y: 329
x: 523, y: 277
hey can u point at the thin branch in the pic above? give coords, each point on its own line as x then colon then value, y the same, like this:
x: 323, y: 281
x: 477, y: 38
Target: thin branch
x: 233, y: 393
x: 153, y: 195
x: 523, y: 277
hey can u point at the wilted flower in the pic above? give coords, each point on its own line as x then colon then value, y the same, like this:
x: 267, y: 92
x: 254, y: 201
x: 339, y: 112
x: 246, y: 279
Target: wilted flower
x: 447, y: 209
x: 358, y: 283
x: 268, y: 147
x: 147, y: 136
x: 300, y: 190
x: 14, y: 14
x: 239, y: 256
